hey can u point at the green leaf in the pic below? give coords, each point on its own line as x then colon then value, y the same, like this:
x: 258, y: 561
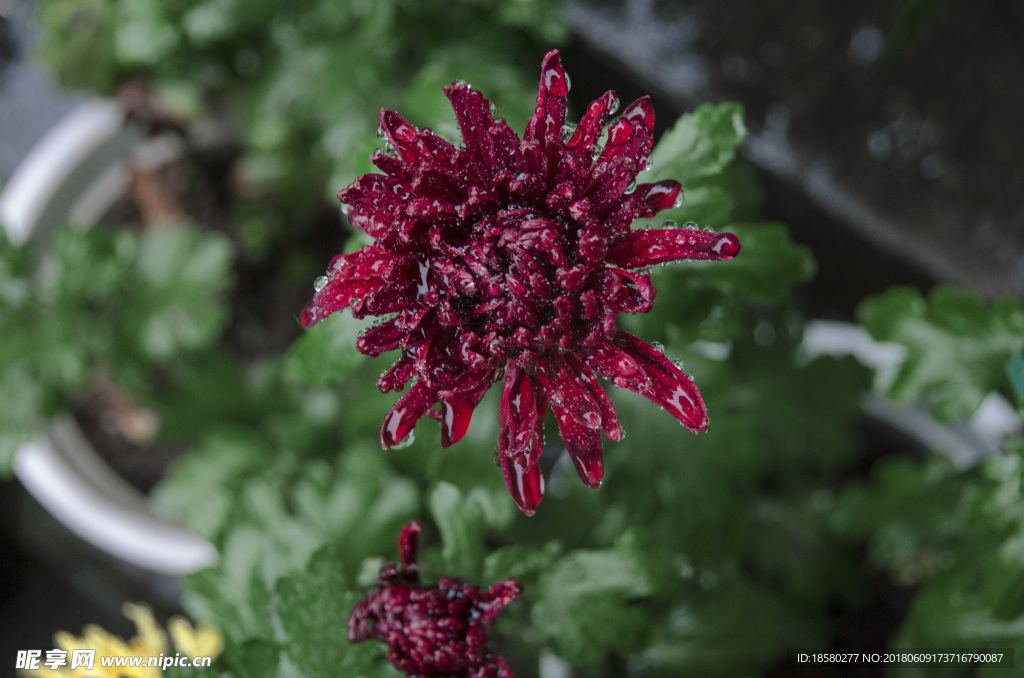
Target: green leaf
x: 700, y: 145
x: 183, y: 273
x: 313, y: 608
x: 460, y: 522
x: 591, y: 602
x: 734, y: 629
x: 520, y: 562
x: 327, y: 352
x: 198, y: 488
x: 957, y: 347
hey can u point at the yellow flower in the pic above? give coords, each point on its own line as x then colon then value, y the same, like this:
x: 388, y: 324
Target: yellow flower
x: 149, y: 641
x: 201, y: 641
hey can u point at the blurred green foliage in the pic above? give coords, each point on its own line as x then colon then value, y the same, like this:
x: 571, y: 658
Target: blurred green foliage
x: 305, y: 79
x: 956, y: 347
x: 710, y: 555
x: 102, y: 302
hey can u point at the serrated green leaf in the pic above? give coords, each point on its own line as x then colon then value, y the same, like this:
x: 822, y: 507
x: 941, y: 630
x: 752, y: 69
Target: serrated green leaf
x: 327, y: 352
x: 313, y: 608
x: 957, y: 347
x: 700, y: 145
x: 178, y: 303
x: 590, y: 602
x: 198, y: 488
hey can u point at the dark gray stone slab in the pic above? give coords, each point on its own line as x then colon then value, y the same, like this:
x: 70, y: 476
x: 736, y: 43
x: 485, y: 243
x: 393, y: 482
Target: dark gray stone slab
x: 921, y: 151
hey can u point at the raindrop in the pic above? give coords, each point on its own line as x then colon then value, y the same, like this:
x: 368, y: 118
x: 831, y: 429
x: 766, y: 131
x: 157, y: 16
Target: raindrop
x: 690, y: 225
x: 346, y: 209
x: 567, y: 131
x: 631, y: 187
x: 679, y: 200
x: 613, y: 106
x: 568, y: 82
x: 669, y: 224
x: 493, y: 109
x: 381, y: 134
x: 880, y: 144
x: 866, y: 45
x: 462, y: 83
x: 648, y: 165
x: 406, y: 441
x: 320, y: 283
x: 660, y: 348
x: 708, y: 229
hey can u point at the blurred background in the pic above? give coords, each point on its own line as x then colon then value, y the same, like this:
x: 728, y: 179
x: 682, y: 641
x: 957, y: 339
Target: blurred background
x: 884, y: 134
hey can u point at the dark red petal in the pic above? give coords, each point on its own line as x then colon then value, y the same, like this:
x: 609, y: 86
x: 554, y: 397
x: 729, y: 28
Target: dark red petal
x: 609, y: 181
x: 400, y: 134
x: 408, y: 542
x: 609, y: 421
x: 646, y: 247
x: 524, y: 482
x: 641, y: 112
x: 402, y: 418
x: 631, y: 137
x: 521, y: 437
x: 592, y: 124
x: 373, y: 202
x: 397, y: 376
x: 628, y: 291
x: 649, y: 199
x: 578, y: 415
x: 473, y: 114
x: 561, y: 381
x: 669, y: 387
x: 583, y: 445
x: 381, y: 338
x: 545, y: 126
x: 498, y: 596
x: 393, y: 166
x: 353, y: 276
x: 359, y: 622
x: 454, y: 417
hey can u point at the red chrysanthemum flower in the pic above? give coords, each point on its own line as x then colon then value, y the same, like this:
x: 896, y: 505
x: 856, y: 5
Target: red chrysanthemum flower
x: 511, y: 258
x: 437, y: 631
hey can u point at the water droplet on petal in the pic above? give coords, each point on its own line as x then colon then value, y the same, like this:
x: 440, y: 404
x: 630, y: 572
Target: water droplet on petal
x: 406, y: 441
x: 381, y: 134
x: 568, y: 82
x: 567, y: 131
x: 648, y: 165
x: 660, y: 348
x: 463, y: 83
x: 679, y: 200
x: 613, y: 107
x: 320, y: 283
x: 631, y: 187
x: 492, y: 107
x: 690, y: 225
x: 669, y: 224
